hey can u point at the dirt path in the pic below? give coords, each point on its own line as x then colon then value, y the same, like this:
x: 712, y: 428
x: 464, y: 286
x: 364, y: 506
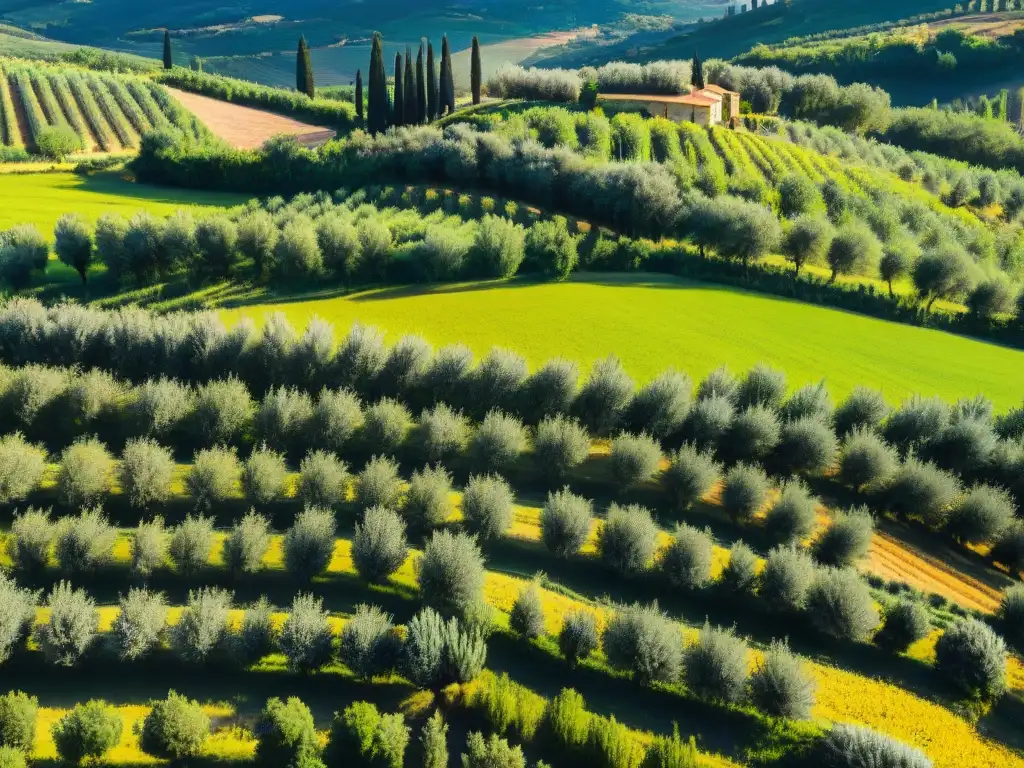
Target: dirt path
x: 247, y: 128
x: 20, y: 117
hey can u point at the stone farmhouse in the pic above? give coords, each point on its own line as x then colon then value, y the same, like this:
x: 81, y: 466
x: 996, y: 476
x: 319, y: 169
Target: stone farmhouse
x: 711, y: 105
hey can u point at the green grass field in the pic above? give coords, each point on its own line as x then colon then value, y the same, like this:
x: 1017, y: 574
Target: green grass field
x: 654, y: 322
x: 41, y: 198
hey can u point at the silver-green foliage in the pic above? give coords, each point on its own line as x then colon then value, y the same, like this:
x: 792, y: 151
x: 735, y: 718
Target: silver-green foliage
x: 202, y: 631
x: 309, y: 544
x: 85, y: 542
x: 379, y: 546
x: 72, y: 627
x: 565, y: 522
x: 140, y: 623
x: 306, y: 638
x: 781, y: 686
x: 369, y: 645
x: 248, y: 542
x: 191, y: 544
x: 21, y: 467
x: 627, y: 539
x: 643, y: 641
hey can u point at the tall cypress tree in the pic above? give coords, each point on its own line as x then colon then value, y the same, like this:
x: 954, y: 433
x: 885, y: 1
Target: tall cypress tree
x: 168, y: 59
x: 378, y: 107
x: 409, y: 95
x: 359, y: 94
x: 697, y: 75
x: 447, y: 105
x: 431, y: 84
x: 476, y: 71
x: 304, y: 70
x: 421, y: 89
x: 399, y: 118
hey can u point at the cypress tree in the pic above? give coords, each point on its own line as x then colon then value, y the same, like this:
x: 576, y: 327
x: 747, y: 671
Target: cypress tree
x: 421, y: 89
x: 304, y: 70
x: 697, y: 75
x: 432, y: 84
x: 359, y: 94
x: 168, y: 59
x: 409, y: 95
x: 447, y: 105
x: 378, y: 107
x: 399, y: 118
x: 476, y: 71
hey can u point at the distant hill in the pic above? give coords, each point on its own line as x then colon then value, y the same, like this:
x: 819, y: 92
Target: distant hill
x: 724, y: 38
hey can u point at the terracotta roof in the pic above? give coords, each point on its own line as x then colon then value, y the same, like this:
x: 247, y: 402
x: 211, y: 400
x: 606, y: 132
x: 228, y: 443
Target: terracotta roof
x: 717, y: 89
x: 692, y: 99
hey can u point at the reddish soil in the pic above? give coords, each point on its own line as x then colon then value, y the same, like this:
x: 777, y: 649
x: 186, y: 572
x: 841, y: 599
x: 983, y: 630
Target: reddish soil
x: 247, y: 128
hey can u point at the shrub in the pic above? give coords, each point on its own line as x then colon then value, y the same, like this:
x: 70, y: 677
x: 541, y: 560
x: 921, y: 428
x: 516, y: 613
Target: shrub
x: 604, y: 397
x: 921, y: 491
x: 744, y: 491
x: 257, y: 636
x: 12, y: 758
x: 866, y: 462
x: 405, y: 367
x: 385, y: 425
x: 32, y: 535
x: 497, y: 442
x: 627, y: 539
x: 428, y: 503
x: 21, y: 468
x: 981, y: 515
x: 434, y: 742
x: 791, y: 518
x: 84, y: 474
x: 360, y: 735
x: 443, y: 433
x: 284, y: 418
x: 551, y: 390
x: 643, y: 641
x: 85, y: 542
x: 787, y: 576
x: 191, y: 544
x: 424, y: 649
x: 560, y: 445
x: 306, y: 639
x: 671, y: 752
x: 659, y: 408
x: 687, y: 559
x: 17, y: 614
x: 222, y: 412
x: 159, y: 408
x: 691, y: 473
x: 465, y: 653
x: 487, y: 507
x: 906, y: 622
x: 18, y: 713
x: 248, y: 542
x: 499, y: 247
x: 752, y: 435
x: 550, y: 249
x: 89, y: 730
x: 23, y: 252
x: 781, y: 686
x: 379, y: 485
x: 917, y: 421
x: 297, y: 253
x: 140, y: 623
x: 264, y: 475
x: 965, y: 446
x: 175, y: 728
x: 1011, y: 615
x: 202, y: 630
x: 1009, y: 550
x: 762, y: 386
x: 286, y: 735
x: 339, y: 245
x: 526, y: 618
x: 847, y: 539
x: 146, y: 472
x: 498, y: 381
x: 806, y: 445
x: 451, y: 573
x: 149, y: 547
x: 369, y: 645
x: 740, y: 574
x: 309, y: 544
x: 257, y: 240
x: 323, y: 480
x: 634, y: 459
x: 578, y: 637
x: 447, y: 377
x: 840, y: 604
x: 567, y: 722
x: 32, y: 392
x: 72, y: 627
x: 379, y: 546
x: 215, y: 471
x: 565, y: 523
x: 972, y: 658
x: 863, y: 408
x: 337, y: 416
x: 715, y: 667
x: 851, y: 745
x: 91, y: 400
x: 493, y: 751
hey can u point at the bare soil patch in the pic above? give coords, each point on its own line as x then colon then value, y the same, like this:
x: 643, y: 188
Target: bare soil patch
x: 248, y: 128
x: 990, y: 25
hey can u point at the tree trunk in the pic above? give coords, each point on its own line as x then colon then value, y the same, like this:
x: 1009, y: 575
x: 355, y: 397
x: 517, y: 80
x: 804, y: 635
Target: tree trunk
x: 928, y: 306
x: 832, y: 279
x: 891, y: 295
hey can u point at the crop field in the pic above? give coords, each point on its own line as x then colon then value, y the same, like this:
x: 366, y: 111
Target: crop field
x: 653, y: 322
x: 107, y: 112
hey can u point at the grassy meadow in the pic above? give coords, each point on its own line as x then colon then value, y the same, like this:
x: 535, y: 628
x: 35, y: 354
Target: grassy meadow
x: 654, y: 322
x: 41, y: 198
